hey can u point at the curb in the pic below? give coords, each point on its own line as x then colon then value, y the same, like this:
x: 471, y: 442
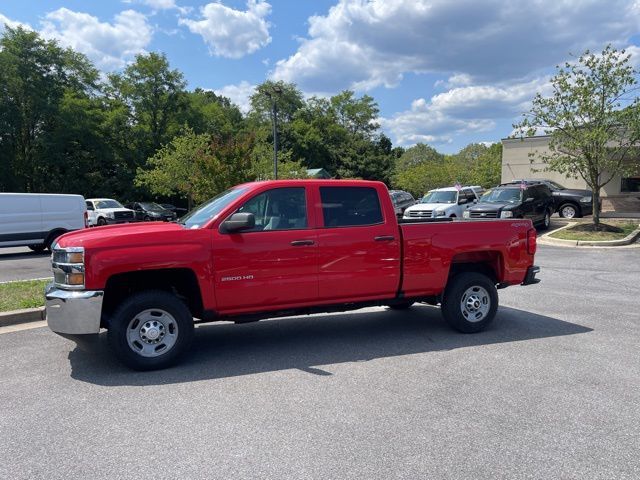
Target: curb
x: 22, y: 316
x: 546, y: 239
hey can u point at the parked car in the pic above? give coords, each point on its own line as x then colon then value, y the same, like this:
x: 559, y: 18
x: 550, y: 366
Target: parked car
x: 148, y: 211
x: 568, y: 202
x: 35, y: 220
x: 401, y: 200
x: 510, y: 200
x: 107, y: 211
x: 277, y: 248
x: 444, y: 202
x: 179, y: 211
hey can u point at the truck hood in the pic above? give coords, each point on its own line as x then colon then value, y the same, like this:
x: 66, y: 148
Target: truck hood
x: 120, y: 235
x: 114, y: 210
x: 430, y: 206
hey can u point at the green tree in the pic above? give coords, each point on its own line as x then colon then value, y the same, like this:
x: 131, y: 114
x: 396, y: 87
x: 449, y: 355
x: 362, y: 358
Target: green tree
x: 197, y: 166
x: 155, y: 96
x: 593, y: 120
x: 416, y: 155
x: 35, y: 75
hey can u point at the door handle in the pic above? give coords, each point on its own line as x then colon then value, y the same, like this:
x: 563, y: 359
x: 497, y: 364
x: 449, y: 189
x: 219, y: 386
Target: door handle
x: 384, y: 238
x: 301, y: 243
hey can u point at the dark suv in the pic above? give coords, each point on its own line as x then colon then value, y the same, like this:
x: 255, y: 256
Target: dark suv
x: 523, y: 200
x: 401, y: 200
x: 568, y: 202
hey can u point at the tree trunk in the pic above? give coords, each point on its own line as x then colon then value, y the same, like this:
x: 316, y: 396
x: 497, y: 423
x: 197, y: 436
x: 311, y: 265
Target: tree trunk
x: 596, y: 207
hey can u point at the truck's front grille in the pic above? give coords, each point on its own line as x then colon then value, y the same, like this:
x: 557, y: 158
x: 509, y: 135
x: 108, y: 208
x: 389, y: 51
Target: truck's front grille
x: 483, y: 214
x: 420, y: 213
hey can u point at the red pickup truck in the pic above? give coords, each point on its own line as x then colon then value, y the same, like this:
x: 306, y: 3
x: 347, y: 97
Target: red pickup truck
x: 277, y: 248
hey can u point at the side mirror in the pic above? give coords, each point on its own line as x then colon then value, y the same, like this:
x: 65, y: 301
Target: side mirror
x: 529, y: 199
x: 238, y: 222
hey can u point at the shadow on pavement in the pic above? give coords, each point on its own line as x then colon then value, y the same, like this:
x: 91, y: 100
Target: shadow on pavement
x: 22, y: 255
x: 305, y: 343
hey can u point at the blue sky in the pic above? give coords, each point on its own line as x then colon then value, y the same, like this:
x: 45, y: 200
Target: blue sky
x: 444, y: 72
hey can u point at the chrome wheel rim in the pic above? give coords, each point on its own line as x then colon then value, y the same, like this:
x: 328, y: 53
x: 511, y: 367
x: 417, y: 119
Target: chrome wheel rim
x: 475, y: 304
x: 152, y: 332
x: 568, y: 212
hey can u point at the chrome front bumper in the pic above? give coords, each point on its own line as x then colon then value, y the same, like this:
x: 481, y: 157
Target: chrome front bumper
x: 73, y: 312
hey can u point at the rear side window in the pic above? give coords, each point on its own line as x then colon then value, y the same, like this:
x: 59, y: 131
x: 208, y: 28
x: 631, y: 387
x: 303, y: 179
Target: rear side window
x: 350, y: 206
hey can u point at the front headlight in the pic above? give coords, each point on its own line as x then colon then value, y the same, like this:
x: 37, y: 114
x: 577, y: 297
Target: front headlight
x: 586, y: 200
x: 440, y: 213
x: 110, y: 214
x: 68, y: 267
x: 466, y: 214
x: 506, y: 214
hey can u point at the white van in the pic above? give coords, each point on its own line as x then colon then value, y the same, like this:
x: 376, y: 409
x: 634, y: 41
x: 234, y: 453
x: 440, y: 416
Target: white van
x: 35, y: 220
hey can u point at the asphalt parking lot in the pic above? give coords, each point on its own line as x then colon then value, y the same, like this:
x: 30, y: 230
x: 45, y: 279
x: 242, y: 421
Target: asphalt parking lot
x: 20, y: 263
x: 551, y: 390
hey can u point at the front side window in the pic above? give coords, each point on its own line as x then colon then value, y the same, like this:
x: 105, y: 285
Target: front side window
x: 209, y: 210
x: 350, y: 206
x: 278, y: 209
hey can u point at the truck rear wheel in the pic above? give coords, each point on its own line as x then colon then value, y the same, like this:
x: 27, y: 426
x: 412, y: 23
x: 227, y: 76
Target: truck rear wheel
x: 470, y: 302
x: 150, y: 330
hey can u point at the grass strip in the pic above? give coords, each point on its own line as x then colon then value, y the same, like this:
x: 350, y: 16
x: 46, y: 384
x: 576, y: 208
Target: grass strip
x: 578, y: 232
x: 22, y: 294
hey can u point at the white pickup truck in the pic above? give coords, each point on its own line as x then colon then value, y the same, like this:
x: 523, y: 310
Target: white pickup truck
x: 107, y: 211
x: 445, y: 202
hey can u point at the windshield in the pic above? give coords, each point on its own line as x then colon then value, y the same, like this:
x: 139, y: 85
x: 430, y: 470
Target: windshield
x: 502, y: 195
x: 208, y: 210
x: 447, y: 196
x: 150, y: 206
x: 108, y: 204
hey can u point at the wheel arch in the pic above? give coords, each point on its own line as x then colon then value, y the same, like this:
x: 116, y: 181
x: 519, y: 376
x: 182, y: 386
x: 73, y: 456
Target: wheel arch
x: 489, y: 263
x: 181, y: 282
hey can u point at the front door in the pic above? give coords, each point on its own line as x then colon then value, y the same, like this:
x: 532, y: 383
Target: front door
x: 273, y: 265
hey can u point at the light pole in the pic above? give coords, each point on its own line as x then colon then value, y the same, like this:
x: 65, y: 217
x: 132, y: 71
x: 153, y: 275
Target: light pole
x: 275, y: 91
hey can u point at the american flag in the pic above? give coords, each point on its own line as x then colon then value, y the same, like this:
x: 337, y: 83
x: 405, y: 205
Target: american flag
x: 523, y: 185
x: 458, y: 186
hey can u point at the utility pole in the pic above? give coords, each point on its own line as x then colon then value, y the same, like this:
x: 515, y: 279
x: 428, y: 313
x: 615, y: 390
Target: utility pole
x: 274, y: 92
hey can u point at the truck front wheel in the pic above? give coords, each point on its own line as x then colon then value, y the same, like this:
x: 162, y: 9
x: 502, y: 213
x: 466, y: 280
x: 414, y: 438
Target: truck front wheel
x: 150, y: 330
x: 470, y: 302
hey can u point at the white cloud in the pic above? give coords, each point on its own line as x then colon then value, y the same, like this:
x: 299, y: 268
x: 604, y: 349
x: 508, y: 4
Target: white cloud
x: 109, y: 45
x: 232, y: 33
x: 158, y: 5
x: 238, y: 94
x: 4, y: 20
x: 462, y: 110
x: 362, y: 44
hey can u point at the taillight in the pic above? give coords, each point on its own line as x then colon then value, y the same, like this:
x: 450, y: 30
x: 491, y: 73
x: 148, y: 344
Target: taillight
x: 532, y: 241
x: 86, y: 219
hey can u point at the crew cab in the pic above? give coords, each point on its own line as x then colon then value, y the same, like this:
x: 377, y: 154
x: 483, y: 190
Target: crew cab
x: 277, y: 248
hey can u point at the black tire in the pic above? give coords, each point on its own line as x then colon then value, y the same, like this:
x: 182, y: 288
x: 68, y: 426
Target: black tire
x: 101, y: 222
x: 401, y: 306
x: 453, y: 215
x: 52, y: 238
x: 38, y: 248
x: 147, y: 218
x: 457, y: 291
x: 546, y: 221
x: 565, y: 210
x: 151, y: 303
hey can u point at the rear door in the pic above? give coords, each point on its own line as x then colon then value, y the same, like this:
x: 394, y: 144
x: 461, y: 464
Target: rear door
x: 276, y: 263
x: 359, y: 249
